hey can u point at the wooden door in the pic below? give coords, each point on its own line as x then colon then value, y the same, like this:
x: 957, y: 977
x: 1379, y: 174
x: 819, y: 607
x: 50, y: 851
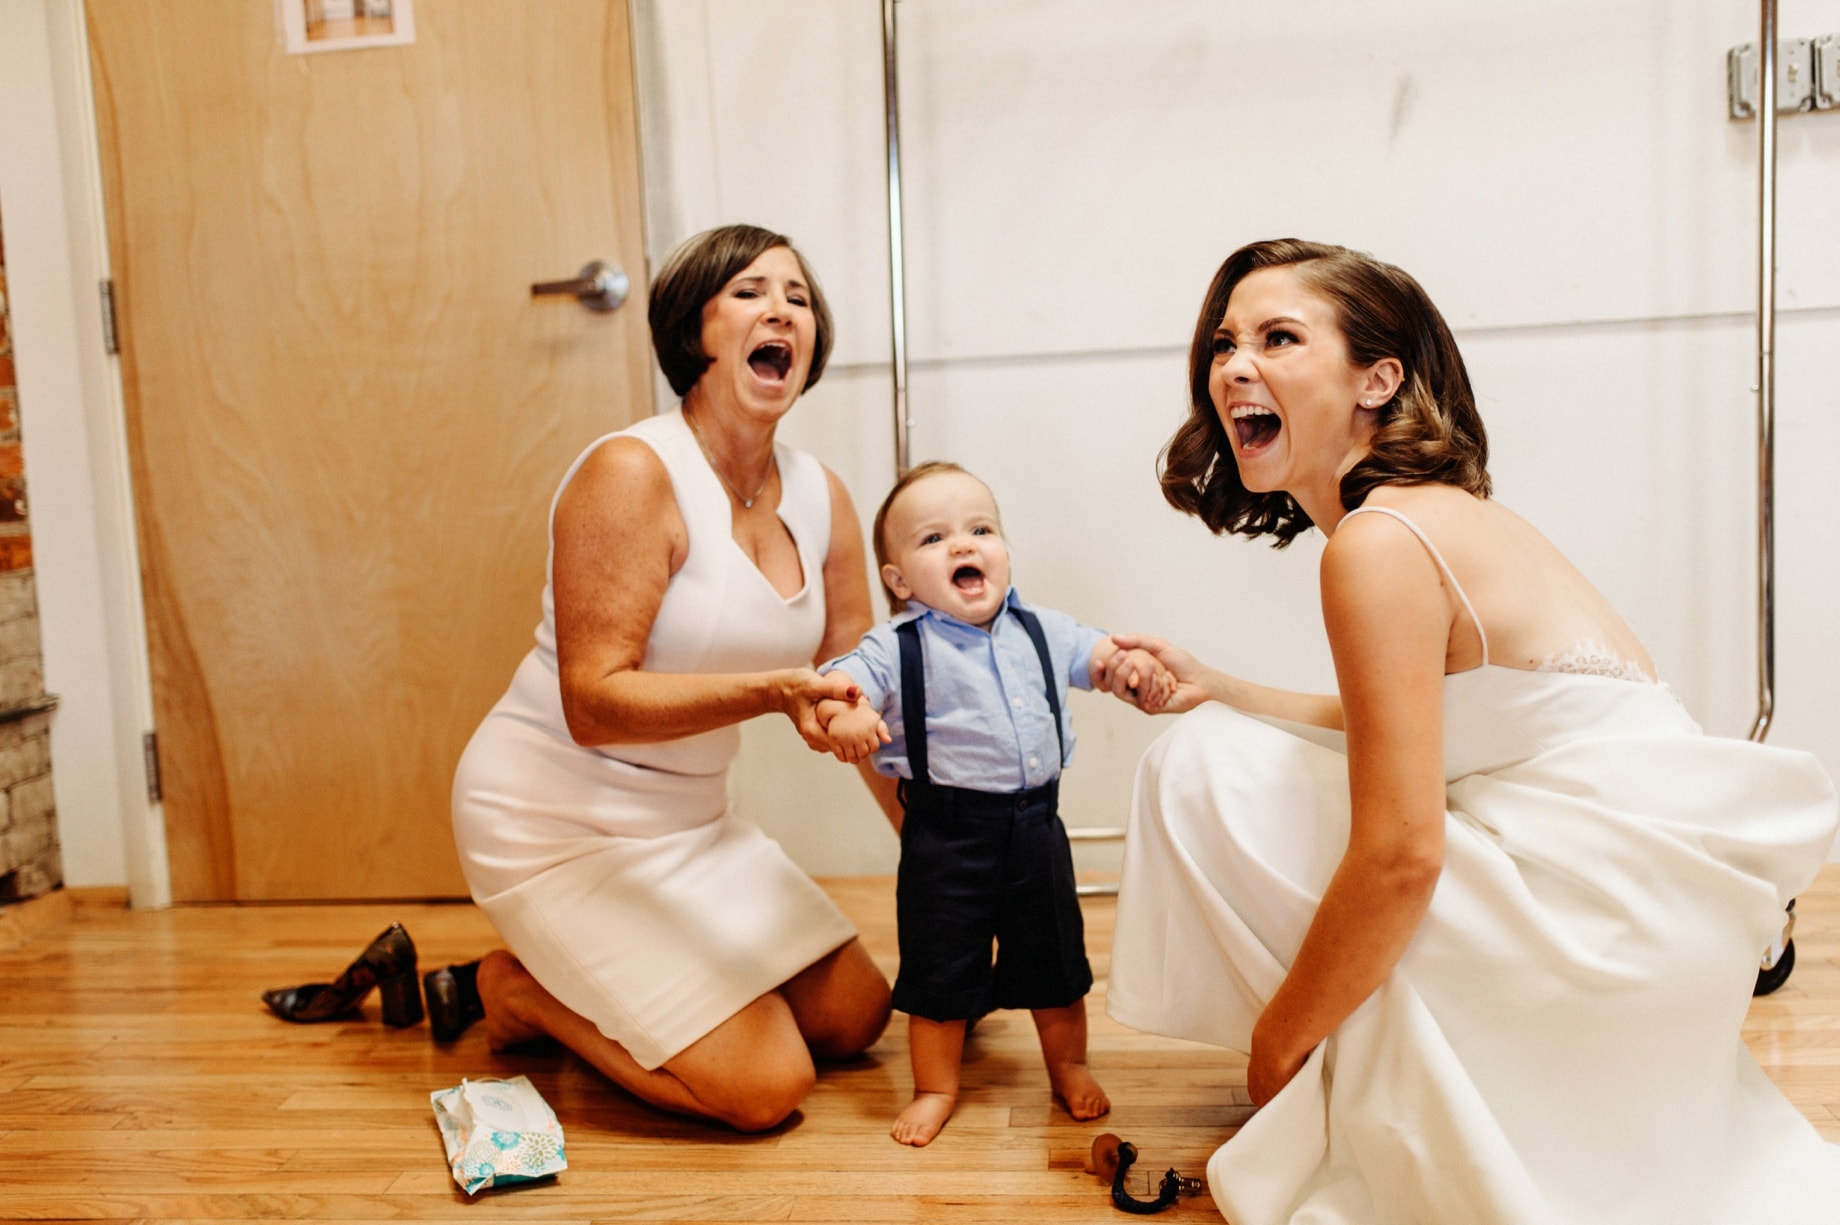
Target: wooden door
x: 347, y: 414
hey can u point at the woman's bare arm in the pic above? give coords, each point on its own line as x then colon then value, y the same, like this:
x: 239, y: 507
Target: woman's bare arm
x: 1196, y: 683
x: 847, y: 611
x: 1389, y: 621
x: 619, y: 538
x: 848, y: 616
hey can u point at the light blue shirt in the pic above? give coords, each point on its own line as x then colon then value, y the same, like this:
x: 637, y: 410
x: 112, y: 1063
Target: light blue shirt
x: 988, y: 727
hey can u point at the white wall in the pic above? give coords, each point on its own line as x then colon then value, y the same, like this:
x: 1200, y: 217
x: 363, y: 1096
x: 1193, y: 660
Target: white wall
x: 1562, y: 177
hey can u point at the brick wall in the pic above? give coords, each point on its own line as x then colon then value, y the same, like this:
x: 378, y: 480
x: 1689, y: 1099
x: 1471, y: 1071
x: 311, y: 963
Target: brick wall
x: 29, y: 860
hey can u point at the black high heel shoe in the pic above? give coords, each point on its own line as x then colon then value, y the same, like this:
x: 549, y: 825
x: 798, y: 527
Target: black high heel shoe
x: 453, y: 1000
x: 388, y: 964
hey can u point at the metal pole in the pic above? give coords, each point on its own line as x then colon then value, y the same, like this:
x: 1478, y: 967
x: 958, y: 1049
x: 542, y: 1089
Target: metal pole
x: 1766, y: 375
x: 897, y: 277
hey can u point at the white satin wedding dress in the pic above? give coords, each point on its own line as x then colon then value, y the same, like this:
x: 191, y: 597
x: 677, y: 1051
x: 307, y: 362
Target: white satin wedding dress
x: 1560, y: 1043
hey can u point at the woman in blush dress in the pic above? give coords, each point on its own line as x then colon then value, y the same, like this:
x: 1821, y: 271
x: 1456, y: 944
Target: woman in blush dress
x: 698, y: 569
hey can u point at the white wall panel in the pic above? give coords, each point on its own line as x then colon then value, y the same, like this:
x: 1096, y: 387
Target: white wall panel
x: 770, y: 111
x: 1561, y: 177
x: 1075, y: 163
x: 1808, y: 534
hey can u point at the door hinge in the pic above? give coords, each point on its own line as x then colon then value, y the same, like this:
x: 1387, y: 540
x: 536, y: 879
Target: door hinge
x: 150, y: 756
x: 111, y: 335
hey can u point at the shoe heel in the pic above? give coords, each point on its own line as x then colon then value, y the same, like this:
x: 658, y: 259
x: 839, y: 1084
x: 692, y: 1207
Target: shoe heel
x: 402, y: 1000
x: 453, y: 1000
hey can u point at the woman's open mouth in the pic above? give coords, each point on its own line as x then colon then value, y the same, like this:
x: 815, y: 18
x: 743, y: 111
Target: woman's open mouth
x: 772, y: 361
x: 1254, y: 425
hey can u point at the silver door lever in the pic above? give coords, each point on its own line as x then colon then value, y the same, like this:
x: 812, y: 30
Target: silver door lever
x: 600, y: 286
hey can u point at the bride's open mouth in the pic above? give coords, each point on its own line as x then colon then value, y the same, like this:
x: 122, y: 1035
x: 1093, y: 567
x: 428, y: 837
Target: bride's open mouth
x: 1254, y: 425
x: 772, y: 361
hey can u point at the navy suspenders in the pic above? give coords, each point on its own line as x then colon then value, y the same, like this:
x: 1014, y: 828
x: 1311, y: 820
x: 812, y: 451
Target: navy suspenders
x: 913, y: 690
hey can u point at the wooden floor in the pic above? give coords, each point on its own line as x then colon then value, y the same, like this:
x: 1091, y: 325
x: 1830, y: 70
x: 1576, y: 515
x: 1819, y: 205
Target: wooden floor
x: 141, y: 1079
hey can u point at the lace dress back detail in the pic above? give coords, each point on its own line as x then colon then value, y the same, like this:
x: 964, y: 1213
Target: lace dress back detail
x: 1592, y: 658
x: 1586, y: 657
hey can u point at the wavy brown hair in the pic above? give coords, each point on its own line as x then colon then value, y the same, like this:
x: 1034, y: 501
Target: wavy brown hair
x: 1429, y: 432
x: 696, y: 272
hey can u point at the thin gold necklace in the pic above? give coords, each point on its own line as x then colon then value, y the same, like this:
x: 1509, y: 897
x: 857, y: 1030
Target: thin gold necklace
x: 703, y: 444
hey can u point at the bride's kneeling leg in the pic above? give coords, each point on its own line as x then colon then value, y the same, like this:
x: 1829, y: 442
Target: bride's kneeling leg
x: 1236, y: 827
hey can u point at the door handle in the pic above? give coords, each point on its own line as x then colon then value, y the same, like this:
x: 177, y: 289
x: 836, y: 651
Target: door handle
x: 600, y: 286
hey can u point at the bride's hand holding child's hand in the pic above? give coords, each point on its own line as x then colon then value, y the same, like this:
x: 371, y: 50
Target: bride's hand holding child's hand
x: 1186, y: 684
x: 1137, y: 677
x: 1148, y: 680
x: 1133, y: 674
x: 854, y: 729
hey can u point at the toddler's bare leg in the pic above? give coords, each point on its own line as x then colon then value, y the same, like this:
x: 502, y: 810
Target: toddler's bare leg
x: 937, y: 1048
x: 1063, y: 1046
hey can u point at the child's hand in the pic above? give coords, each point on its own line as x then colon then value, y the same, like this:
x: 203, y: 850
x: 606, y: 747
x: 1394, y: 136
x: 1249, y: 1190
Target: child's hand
x: 1146, y: 677
x: 1135, y: 675
x: 855, y: 732
x: 829, y: 709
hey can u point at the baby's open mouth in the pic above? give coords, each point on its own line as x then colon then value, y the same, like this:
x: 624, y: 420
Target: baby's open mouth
x: 772, y: 360
x: 967, y: 578
x: 1254, y: 425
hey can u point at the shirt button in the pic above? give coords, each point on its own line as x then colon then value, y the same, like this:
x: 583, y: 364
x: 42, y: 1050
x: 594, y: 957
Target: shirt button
x: 1033, y: 762
x: 1016, y: 702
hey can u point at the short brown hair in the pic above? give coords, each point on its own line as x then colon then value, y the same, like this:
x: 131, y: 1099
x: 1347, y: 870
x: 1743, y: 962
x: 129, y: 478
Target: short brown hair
x: 693, y: 274
x: 913, y: 476
x: 1430, y: 431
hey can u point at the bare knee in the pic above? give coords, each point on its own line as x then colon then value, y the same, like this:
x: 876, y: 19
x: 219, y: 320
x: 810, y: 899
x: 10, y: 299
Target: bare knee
x: 841, y: 1003
x: 848, y: 1034
x: 766, y: 1097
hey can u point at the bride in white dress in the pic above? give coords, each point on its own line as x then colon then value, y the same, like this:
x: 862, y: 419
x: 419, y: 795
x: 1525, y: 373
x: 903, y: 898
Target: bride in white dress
x: 1486, y: 921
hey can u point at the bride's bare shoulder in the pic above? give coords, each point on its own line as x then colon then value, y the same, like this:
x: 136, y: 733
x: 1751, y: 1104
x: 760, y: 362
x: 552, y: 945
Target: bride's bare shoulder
x: 1474, y: 535
x: 1443, y: 512
x: 1431, y: 500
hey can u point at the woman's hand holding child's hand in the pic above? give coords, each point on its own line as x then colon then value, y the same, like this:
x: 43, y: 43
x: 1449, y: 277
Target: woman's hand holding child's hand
x: 1146, y: 678
x: 798, y: 693
x: 1133, y: 674
x: 1187, y: 679
x: 853, y: 730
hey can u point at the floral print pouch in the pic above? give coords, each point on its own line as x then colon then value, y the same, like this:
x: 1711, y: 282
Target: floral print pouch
x: 498, y: 1132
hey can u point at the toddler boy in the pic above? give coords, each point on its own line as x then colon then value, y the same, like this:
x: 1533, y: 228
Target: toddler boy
x: 972, y: 682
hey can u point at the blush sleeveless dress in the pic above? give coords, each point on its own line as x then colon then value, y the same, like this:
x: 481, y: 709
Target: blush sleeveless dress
x: 1560, y: 1042
x: 620, y: 875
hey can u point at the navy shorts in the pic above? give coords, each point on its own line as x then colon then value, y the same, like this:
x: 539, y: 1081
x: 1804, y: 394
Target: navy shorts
x: 977, y: 869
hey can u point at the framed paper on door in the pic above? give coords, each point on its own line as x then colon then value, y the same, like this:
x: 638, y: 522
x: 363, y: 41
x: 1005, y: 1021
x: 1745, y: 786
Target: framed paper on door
x: 344, y: 25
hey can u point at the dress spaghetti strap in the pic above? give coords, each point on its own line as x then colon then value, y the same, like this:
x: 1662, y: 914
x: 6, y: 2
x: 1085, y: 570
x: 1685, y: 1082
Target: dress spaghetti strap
x: 1442, y: 565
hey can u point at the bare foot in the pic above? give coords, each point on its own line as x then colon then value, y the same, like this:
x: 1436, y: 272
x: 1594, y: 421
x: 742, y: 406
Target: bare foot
x: 1077, y: 1089
x: 504, y: 984
x: 924, y: 1116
